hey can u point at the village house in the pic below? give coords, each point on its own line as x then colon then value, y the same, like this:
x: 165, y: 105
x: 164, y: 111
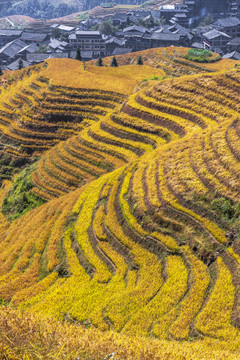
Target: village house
x: 28, y: 49
x: 234, y: 55
x: 137, y: 37
x: 215, y: 40
x: 233, y: 7
x: 37, y: 58
x: 120, y: 19
x: 34, y: 37
x: 8, y: 35
x: 122, y: 51
x: 160, y: 39
x: 10, y: 51
x: 57, y: 45
x: 234, y: 45
x: 85, y: 24
x: 15, y: 64
x: 66, y: 29
x: 92, y: 41
x: 181, y: 19
x: 229, y: 25
x: 112, y: 43
x: 176, y: 11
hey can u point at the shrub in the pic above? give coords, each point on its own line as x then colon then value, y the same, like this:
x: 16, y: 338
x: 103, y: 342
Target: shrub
x: 140, y: 60
x: 223, y: 207
x: 108, y: 5
x: 201, y: 56
x: 100, y: 62
x: 78, y: 55
x: 114, y: 62
x: 20, y: 64
x: 20, y: 199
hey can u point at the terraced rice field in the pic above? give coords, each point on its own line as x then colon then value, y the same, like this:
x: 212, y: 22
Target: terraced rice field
x: 141, y: 231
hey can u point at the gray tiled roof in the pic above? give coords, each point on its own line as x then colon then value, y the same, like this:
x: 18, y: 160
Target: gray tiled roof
x: 122, y: 51
x: 235, y: 42
x: 33, y: 36
x: 14, y: 65
x: 40, y: 57
x: 233, y: 55
x: 66, y: 28
x: 136, y: 28
x: 10, y: 32
x: 12, y: 48
x: 54, y: 44
x: 227, y: 22
x: 166, y: 37
x: 58, y: 55
x: 213, y: 34
x: 72, y: 37
x: 82, y: 32
x: 37, y: 57
x: 32, y: 48
x: 115, y: 40
x: 197, y: 45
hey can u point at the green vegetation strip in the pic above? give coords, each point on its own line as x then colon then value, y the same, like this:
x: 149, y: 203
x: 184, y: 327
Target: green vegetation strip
x: 20, y: 199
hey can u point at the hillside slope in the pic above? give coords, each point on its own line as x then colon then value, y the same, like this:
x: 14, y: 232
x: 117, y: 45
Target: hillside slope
x: 140, y: 234
x: 59, y: 340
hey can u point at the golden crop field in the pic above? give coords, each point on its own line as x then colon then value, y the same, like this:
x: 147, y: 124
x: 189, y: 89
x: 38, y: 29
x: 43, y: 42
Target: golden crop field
x: 139, y: 233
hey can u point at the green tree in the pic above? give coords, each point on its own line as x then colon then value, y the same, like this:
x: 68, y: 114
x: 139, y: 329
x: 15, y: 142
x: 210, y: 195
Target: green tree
x: 1, y: 72
x: 56, y: 33
x: 105, y: 28
x: 42, y: 48
x: 140, y: 60
x: 207, y: 20
x: 20, y: 64
x: 141, y: 22
x: 100, y: 62
x: 150, y: 21
x: 162, y: 21
x: 223, y: 207
x: 114, y: 62
x: 78, y: 54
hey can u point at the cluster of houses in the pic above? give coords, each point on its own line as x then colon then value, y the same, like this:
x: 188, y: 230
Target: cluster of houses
x: 189, y: 12
x: 169, y: 25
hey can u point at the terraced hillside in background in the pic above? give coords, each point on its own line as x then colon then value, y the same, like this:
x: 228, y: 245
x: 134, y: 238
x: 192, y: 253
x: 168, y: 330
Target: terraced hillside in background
x: 140, y: 232
x: 104, y: 12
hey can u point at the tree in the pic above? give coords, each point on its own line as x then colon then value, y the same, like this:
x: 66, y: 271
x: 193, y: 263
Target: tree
x: 162, y: 21
x: 114, y: 62
x: 141, y: 22
x: 105, y: 28
x: 78, y: 55
x: 140, y: 60
x: 100, y: 62
x: 56, y: 33
x: 1, y: 72
x: 42, y: 48
x: 207, y: 20
x: 128, y: 22
x: 149, y: 21
x: 20, y: 64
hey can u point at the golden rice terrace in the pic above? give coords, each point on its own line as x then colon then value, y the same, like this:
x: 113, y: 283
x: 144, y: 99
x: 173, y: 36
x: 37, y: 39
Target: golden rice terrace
x: 137, y: 173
